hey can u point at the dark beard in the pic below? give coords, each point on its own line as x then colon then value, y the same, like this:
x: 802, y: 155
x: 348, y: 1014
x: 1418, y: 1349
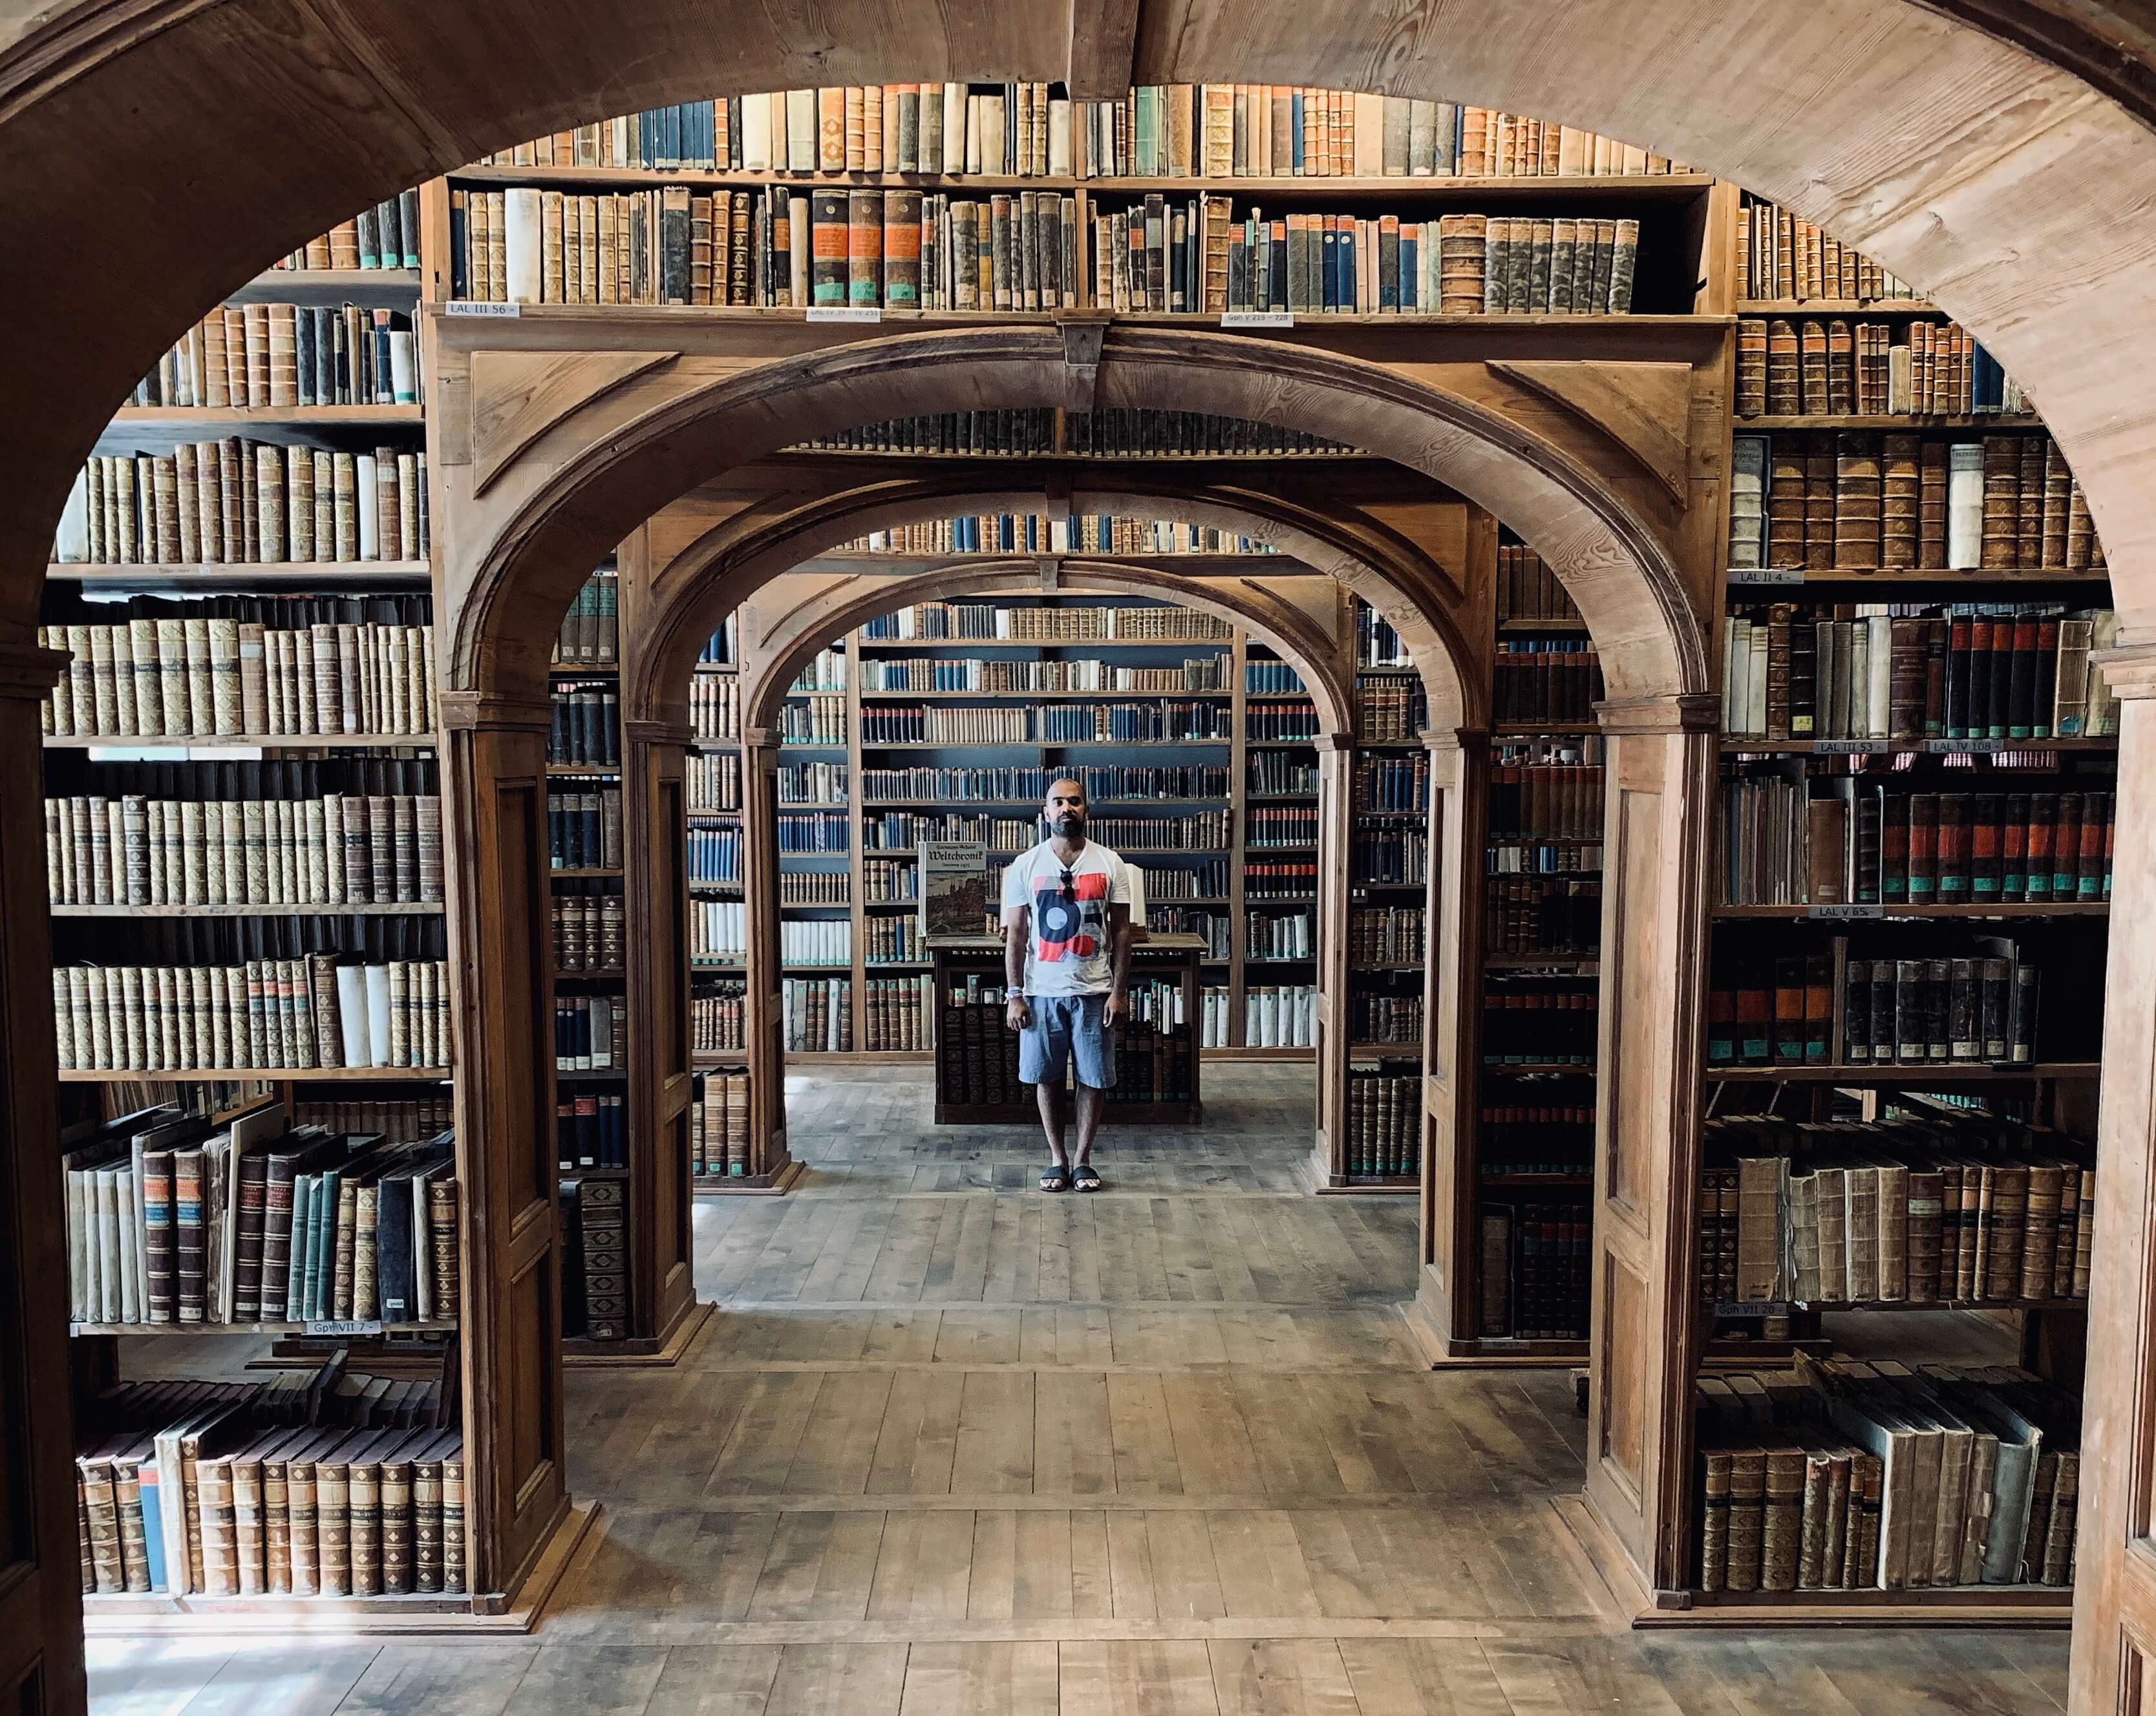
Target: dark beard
x: 1069, y: 826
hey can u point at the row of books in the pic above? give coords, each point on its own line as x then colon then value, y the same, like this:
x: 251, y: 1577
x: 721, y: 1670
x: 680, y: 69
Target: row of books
x: 1545, y: 680
x: 1392, y: 783
x: 1277, y: 879
x: 1024, y: 129
x: 903, y: 830
x: 718, y: 1016
x: 1281, y: 774
x: 1830, y: 368
x: 1853, y: 1475
x: 715, y: 707
x: 823, y: 671
x: 1274, y: 723
x: 1535, y: 795
x: 591, y: 630
x: 1976, y: 1005
x: 815, y: 887
x: 891, y: 940
x: 1377, y: 644
x: 1384, y: 1122
x: 895, y: 1012
x: 270, y: 357
x: 586, y: 725
x: 814, y: 831
x: 1518, y: 1138
x: 262, y: 665
x: 889, y: 879
x: 1199, y: 255
x: 594, y: 1229
x: 819, y: 940
x: 338, y: 849
x: 1855, y: 500
x: 1965, y: 671
x: 1387, y: 935
x: 818, y: 719
x: 896, y: 248
x: 715, y: 856
x: 1391, y: 710
x: 1388, y: 856
x: 719, y: 1124
x: 1167, y: 721
x: 1529, y: 915
x: 812, y: 782
x: 992, y: 678
x: 400, y: 1120
x: 1529, y: 589
x: 237, y: 502
x: 171, y: 1220
x: 591, y: 1034
x: 384, y: 236
x: 1105, y: 432
x: 816, y: 1015
x: 1536, y: 1267
x: 584, y: 828
x: 1782, y: 256
x: 1934, y: 1206
x: 1104, y: 782
x: 206, y: 1488
x: 591, y: 932
x: 713, y: 780
x: 267, y: 1013
x: 1212, y: 927
x: 1850, y: 842
x: 1038, y: 533
x: 1279, y: 935
x: 591, y: 1128
x: 1386, y: 1018
x: 1534, y: 1021
x: 1519, y: 858
x: 1278, y: 825
x: 994, y: 622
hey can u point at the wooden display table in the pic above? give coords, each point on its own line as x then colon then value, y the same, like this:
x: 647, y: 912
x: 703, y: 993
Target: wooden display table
x: 976, y: 1082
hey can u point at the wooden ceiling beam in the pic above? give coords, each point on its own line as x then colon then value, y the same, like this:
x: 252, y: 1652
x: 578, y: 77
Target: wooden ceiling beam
x: 1104, y: 35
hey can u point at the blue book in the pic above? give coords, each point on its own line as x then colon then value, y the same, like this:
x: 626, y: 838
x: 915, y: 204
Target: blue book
x: 153, y: 1525
x: 1408, y: 282
x: 295, y: 1279
x: 1295, y: 128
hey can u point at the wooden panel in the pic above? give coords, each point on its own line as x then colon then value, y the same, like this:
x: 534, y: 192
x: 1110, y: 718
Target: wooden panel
x: 41, y: 1660
x: 1628, y: 1075
x: 1624, y: 1326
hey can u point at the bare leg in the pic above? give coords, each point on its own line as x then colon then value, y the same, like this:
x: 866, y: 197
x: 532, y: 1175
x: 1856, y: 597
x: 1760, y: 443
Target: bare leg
x: 1050, y: 1098
x: 1090, y: 1102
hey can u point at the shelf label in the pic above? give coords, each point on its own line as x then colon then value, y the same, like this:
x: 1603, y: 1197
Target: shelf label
x: 1849, y: 747
x: 1843, y: 914
x: 1980, y: 748
x: 1257, y: 318
x: 347, y: 1325
x: 1772, y: 576
x: 1501, y: 1343
x: 1778, y: 1307
x: 478, y: 306
x: 845, y: 312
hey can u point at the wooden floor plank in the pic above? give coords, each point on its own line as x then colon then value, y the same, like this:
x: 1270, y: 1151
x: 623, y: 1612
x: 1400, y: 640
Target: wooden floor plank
x: 817, y: 1680
x: 1124, y: 1677
x: 918, y: 1440
x: 715, y: 1680
x: 1281, y: 1678
x: 982, y: 1680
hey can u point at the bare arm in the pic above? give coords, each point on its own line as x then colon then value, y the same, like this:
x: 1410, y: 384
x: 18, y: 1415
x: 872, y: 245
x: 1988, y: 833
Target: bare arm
x: 1121, y: 938
x: 1017, y: 923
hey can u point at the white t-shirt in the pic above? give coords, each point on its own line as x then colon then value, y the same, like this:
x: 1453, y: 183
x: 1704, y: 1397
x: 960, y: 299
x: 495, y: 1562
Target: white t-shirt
x: 1068, y: 951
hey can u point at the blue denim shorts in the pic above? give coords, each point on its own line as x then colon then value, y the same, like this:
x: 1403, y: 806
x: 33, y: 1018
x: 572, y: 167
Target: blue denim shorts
x: 1065, y: 1028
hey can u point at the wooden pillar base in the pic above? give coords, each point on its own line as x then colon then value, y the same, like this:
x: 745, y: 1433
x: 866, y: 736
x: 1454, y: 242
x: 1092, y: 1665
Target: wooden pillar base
x: 661, y: 1351
x: 776, y: 1183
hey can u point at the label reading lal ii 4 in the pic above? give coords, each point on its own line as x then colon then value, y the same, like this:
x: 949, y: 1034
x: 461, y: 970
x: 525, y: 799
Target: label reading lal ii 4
x: 1776, y: 576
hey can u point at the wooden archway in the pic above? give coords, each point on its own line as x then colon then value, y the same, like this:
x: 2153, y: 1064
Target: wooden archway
x: 185, y: 142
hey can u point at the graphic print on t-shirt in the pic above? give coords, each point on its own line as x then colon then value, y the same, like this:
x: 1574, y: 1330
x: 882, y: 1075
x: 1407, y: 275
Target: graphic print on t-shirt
x: 1072, y: 927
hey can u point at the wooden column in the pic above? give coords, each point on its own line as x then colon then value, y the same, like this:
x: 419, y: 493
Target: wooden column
x: 41, y: 1663
x: 661, y: 1080
x: 1336, y: 1022
x: 1445, y: 1308
x: 2115, y: 1568
x: 1659, y: 846
x: 764, y: 1025
x: 494, y: 792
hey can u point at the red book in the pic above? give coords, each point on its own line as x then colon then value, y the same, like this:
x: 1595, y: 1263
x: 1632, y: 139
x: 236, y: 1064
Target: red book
x: 2043, y: 815
x: 1894, y: 850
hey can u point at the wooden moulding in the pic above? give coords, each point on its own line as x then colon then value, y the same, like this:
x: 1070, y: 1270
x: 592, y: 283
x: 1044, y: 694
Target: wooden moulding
x: 118, y: 1615
x: 775, y: 1183
x: 661, y: 1351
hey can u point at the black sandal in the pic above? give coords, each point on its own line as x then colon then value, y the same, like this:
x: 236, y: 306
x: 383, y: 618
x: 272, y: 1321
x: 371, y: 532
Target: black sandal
x: 1085, y: 1178
x: 1055, y: 1178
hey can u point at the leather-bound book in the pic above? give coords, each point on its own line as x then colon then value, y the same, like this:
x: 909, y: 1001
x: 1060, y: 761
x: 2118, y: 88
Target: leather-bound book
x: 1819, y: 502
x: 1714, y: 1519
x: 2031, y: 487
x: 1747, y: 1487
x: 1782, y: 1522
x: 1932, y: 504
x: 901, y: 250
x: 1902, y: 500
x: 1857, y: 500
x: 1828, y: 844
x: 1820, y: 999
x: 1893, y: 1220
x: 1856, y: 1046
x: 1784, y: 369
x: 1751, y: 397
x: 1786, y: 509
x: 1790, y: 1010
x: 1925, y: 1239
x: 2000, y: 549
x: 1952, y: 847
x: 863, y: 247
x: 1923, y: 850
x: 701, y: 244
x: 1812, y: 369
x: 1840, y: 369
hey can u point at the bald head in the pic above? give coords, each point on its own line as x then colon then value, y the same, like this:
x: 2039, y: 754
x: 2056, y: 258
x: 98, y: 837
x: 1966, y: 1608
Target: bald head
x: 1065, y: 808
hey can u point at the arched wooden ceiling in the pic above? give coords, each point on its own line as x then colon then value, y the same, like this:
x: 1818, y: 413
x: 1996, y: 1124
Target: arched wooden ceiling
x: 155, y: 153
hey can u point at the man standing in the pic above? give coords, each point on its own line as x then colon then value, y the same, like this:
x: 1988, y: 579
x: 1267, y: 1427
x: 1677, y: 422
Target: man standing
x: 1067, y: 965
